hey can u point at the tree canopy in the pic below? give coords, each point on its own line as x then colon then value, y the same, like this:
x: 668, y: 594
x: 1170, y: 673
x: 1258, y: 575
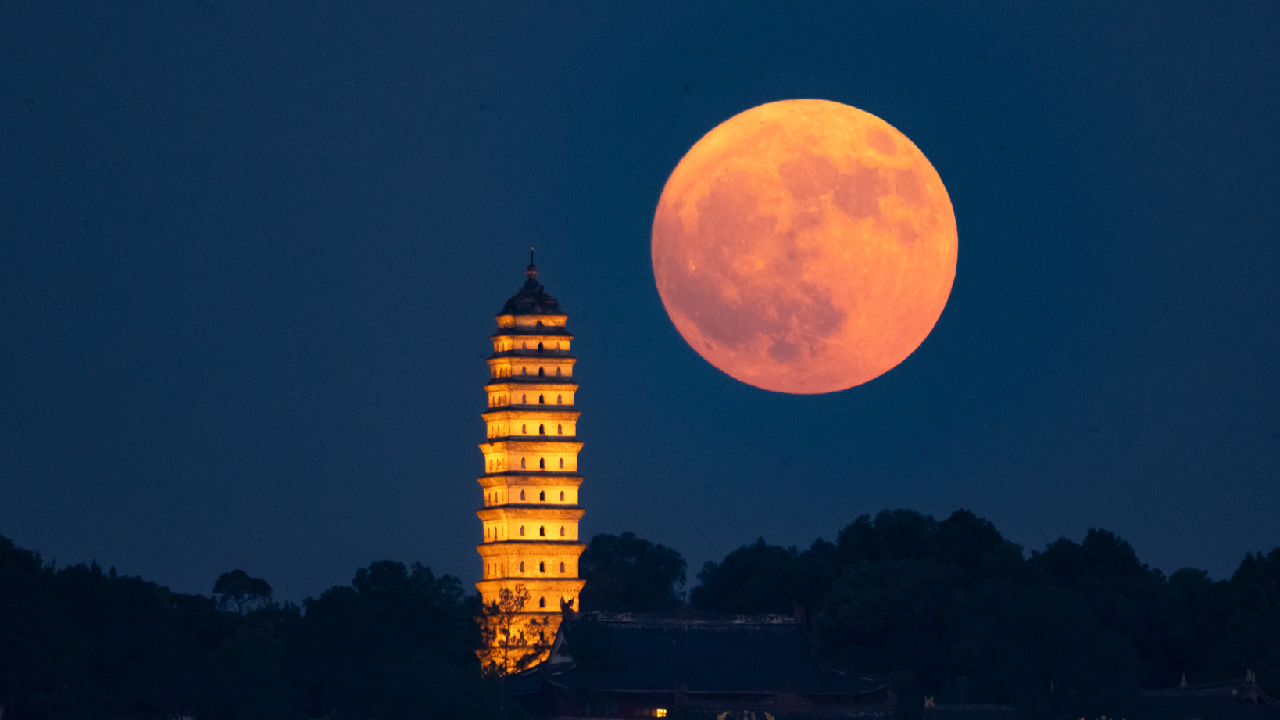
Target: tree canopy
x: 625, y: 573
x: 950, y: 609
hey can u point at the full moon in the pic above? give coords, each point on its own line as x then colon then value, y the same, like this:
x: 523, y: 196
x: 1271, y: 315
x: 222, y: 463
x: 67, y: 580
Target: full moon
x: 804, y: 246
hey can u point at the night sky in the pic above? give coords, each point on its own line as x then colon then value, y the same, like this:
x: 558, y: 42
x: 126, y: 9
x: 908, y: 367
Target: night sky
x: 250, y: 256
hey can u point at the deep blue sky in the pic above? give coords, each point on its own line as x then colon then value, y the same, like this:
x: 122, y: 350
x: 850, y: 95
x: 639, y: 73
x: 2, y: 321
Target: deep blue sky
x: 250, y: 256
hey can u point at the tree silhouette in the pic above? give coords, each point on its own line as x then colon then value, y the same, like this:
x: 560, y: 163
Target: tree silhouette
x: 240, y: 593
x: 625, y: 573
x: 511, y: 639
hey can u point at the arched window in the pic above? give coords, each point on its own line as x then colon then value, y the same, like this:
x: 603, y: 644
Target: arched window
x: 542, y: 372
x: 524, y: 429
x: 542, y: 463
x: 542, y: 567
x: 542, y: 531
x: 542, y: 429
x: 557, y: 372
x: 561, y: 496
x: 561, y: 567
x: 542, y: 399
x: 521, y: 567
x: 561, y: 463
x: 559, y: 429
x: 522, y: 535
x: 559, y: 400
x: 542, y: 496
x: 521, y: 463
x: 521, y: 494
x: 542, y: 602
x: 539, y: 347
x: 524, y: 399
x: 561, y: 531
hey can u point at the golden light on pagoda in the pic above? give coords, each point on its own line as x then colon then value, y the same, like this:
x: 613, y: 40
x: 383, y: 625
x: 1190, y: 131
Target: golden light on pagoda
x: 530, y: 484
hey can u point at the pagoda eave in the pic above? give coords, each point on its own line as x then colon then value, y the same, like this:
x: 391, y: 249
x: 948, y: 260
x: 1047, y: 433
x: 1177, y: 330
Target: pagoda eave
x: 530, y: 446
x: 541, y: 511
x: 526, y: 548
x: 532, y: 382
x: 543, y: 412
x: 525, y: 331
x: 528, y: 479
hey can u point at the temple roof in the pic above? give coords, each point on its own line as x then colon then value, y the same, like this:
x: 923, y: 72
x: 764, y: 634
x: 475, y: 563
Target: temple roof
x: 742, y: 654
x: 532, y: 298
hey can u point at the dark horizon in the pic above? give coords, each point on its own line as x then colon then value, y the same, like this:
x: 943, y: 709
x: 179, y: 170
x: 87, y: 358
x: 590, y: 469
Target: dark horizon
x: 251, y: 257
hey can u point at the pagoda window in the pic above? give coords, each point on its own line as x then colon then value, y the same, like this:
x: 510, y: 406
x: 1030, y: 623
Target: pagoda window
x: 561, y: 531
x: 542, y: 399
x: 559, y: 400
x: 557, y: 372
x: 542, y: 496
x: 542, y: 372
x: 521, y: 463
x: 542, y: 531
x: 557, y: 346
x: 524, y: 346
x: 522, y: 566
x: 524, y: 429
x: 539, y: 347
x: 561, y: 496
x: 522, y: 535
x: 561, y: 463
x: 524, y: 399
x: 542, y: 602
x: 542, y: 429
x: 521, y: 494
x: 561, y: 567
x: 524, y: 371
x: 539, y: 323
x: 542, y: 463
x: 542, y: 567
x: 559, y: 429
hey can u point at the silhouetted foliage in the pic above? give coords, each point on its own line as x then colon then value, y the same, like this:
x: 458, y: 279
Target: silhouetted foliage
x: 763, y: 578
x: 77, y: 642
x: 625, y: 573
x: 950, y: 609
x: 237, y: 591
x: 512, y: 641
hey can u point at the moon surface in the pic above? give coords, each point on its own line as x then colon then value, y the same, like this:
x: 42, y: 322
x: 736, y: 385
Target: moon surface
x: 804, y: 246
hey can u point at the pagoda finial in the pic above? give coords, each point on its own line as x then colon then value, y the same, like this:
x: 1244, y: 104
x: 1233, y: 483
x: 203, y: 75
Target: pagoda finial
x: 531, y: 272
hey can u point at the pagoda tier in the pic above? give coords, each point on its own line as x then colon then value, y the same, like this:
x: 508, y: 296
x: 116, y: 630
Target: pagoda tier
x: 530, y: 511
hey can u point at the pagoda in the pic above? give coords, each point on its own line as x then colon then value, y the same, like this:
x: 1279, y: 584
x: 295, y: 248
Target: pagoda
x: 530, y: 484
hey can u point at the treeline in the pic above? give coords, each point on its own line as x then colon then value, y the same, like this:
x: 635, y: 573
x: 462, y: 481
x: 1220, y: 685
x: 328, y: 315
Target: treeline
x: 954, y: 611
x: 950, y: 609
x: 78, y: 642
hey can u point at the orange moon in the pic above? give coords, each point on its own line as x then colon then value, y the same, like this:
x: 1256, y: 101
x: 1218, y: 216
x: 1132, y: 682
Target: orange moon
x: 804, y: 246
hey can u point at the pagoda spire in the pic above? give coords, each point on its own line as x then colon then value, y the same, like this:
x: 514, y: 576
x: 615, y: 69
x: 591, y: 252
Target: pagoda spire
x: 530, y: 484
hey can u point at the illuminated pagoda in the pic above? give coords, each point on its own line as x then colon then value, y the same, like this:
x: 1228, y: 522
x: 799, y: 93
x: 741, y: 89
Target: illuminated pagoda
x: 531, y: 480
